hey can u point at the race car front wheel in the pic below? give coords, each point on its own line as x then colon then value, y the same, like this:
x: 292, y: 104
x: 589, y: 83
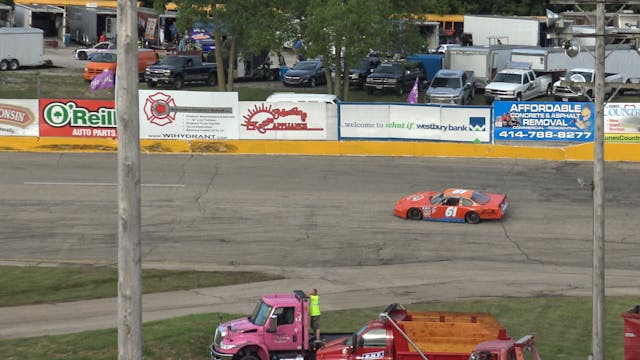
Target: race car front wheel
x: 472, y: 217
x: 414, y: 214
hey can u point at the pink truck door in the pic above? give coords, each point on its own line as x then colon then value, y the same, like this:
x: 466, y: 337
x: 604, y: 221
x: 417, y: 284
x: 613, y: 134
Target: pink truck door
x: 372, y: 346
x: 287, y: 335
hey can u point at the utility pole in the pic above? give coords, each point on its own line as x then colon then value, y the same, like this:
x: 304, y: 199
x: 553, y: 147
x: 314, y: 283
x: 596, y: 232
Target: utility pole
x: 598, y: 306
x: 129, y: 259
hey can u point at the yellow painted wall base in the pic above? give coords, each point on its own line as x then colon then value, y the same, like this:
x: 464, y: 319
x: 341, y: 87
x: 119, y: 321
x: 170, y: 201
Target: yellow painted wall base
x: 583, y: 152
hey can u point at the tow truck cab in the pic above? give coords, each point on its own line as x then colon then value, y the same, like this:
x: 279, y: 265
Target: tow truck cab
x: 277, y: 329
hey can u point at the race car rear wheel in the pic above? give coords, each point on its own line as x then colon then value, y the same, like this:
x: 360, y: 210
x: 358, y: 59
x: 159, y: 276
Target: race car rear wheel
x: 414, y: 214
x: 472, y: 217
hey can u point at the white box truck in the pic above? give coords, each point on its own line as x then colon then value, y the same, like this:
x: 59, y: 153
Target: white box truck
x: 484, y: 61
x: 21, y: 47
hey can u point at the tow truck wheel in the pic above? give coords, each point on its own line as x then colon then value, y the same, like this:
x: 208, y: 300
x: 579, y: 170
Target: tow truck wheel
x: 472, y: 217
x: 414, y: 214
x: 249, y: 356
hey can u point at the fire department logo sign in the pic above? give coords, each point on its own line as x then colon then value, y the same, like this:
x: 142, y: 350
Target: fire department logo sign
x: 157, y: 109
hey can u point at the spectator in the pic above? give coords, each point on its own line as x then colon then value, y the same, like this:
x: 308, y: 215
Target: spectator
x: 103, y: 37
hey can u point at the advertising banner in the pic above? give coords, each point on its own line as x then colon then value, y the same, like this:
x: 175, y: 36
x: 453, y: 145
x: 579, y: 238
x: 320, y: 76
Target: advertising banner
x: 415, y: 122
x: 18, y: 117
x: 188, y: 115
x: 283, y: 120
x: 543, y: 121
x: 78, y: 118
x: 622, y: 122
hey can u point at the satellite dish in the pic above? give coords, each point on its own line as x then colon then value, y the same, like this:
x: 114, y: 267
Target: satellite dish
x: 571, y: 48
x: 552, y: 18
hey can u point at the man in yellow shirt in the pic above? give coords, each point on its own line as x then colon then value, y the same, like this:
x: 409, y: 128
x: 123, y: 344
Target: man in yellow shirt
x: 314, y: 312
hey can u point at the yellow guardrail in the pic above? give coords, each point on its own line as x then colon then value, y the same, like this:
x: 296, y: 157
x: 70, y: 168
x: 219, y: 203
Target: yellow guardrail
x: 582, y: 152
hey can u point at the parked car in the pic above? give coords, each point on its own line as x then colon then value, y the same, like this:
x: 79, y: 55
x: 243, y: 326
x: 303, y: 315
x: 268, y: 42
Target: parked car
x: 518, y: 84
x: 397, y: 76
x: 451, y: 87
x: 107, y: 60
x: 305, y: 73
x: 358, y: 74
x: 86, y: 53
x: 176, y: 70
x: 579, y: 92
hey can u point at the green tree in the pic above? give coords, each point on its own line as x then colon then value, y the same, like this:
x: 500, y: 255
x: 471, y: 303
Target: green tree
x: 343, y: 31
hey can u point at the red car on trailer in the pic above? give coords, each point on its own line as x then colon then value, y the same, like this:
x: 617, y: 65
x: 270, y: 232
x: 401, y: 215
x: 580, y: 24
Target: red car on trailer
x: 452, y: 205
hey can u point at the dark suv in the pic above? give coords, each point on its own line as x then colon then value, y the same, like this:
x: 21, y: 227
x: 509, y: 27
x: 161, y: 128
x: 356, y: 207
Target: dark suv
x: 358, y: 74
x: 305, y: 73
x: 396, y: 76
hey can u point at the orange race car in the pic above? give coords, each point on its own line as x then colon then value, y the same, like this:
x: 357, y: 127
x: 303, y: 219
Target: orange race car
x: 452, y: 205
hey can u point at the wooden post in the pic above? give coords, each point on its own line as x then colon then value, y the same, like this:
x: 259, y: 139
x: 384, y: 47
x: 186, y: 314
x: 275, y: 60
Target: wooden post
x: 129, y: 259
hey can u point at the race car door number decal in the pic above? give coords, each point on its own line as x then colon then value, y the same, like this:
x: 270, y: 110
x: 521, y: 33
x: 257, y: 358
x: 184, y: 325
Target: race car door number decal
x: 373, y: 355
x: 451, y: 211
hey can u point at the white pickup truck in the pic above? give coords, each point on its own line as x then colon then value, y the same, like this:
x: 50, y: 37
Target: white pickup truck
x: 579, y: 92
x: 518, y: 84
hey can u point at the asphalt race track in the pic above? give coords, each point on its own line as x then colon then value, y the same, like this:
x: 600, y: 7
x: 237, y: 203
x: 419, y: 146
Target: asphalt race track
x: 328, y: 221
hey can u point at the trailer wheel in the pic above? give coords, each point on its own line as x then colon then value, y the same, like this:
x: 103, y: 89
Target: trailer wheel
x: 4, y: 65
x: 414, y: 214
x: 13, y: 64
x: 472, y: 217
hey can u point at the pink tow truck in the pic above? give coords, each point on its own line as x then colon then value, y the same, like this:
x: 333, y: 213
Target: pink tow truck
x: 278, y: 329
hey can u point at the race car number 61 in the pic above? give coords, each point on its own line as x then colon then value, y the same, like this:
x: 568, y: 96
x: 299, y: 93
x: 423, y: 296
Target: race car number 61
x: 451, y: 211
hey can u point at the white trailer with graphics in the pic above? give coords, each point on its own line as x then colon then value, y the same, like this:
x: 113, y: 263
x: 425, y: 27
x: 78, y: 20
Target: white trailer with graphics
x: 21, y: 47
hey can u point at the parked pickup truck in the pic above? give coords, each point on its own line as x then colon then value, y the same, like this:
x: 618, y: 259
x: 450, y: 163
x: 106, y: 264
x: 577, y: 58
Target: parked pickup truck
x: 395, y: 76
x: 408, y: 335
x: 176, y: 70
x: 578, y: 92
x: 451, y: 87
x: 516, y: 83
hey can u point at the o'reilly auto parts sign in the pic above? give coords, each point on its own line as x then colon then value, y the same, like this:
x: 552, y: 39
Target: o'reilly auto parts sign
x: 78, y: 118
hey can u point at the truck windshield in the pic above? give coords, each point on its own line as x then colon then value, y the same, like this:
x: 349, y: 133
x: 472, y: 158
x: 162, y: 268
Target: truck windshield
x: 305, y: 65
x: 585, y: 74
x: 508, y: 78
x: 171, y: 60
x: 389, y: 69
x: 453, y: 83
x: 260, y: 313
